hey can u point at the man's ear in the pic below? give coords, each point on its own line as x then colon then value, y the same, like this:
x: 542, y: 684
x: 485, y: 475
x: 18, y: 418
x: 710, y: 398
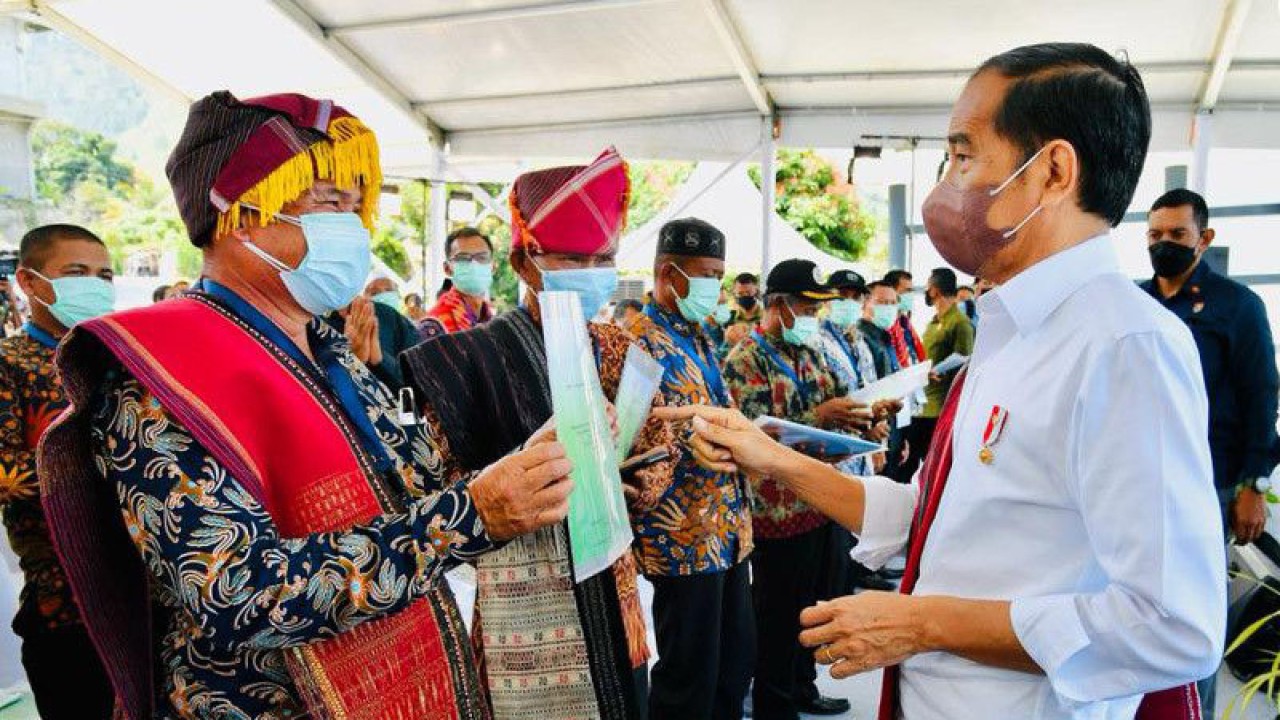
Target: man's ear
x: 27, y: 279
x: 1064, y: 172
x: 1206, y: 239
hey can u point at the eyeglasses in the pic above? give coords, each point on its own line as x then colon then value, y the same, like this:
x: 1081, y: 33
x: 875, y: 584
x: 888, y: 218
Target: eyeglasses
x: 480, y: 258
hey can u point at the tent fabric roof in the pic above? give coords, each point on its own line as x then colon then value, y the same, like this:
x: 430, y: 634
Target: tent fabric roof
x: 733, y: 205
x: 548, y: 79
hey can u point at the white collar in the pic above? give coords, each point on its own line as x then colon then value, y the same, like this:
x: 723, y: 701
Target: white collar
x: 1032, y: 295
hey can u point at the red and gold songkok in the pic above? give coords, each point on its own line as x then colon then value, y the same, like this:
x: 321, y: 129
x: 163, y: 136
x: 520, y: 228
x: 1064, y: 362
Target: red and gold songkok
x: 267, y: 151
x: 575, y: 210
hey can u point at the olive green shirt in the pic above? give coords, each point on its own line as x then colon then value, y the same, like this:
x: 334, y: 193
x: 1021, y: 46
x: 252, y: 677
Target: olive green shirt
x: 948, y: 333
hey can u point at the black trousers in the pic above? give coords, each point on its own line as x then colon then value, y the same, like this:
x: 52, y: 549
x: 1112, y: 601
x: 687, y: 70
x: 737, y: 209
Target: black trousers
x: 835, y: 579
x: 706, y: 645
x: 919, y: 434
x: 66, y: 677
x: 786, y: 577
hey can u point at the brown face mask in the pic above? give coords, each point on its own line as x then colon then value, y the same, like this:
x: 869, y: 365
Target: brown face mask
x: 956, y: 220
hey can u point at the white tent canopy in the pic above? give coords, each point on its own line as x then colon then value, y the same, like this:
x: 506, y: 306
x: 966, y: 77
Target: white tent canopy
x: 733, y: 206
x: 695, y: 79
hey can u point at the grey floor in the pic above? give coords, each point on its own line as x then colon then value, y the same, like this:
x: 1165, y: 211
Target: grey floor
x: 862, y: 691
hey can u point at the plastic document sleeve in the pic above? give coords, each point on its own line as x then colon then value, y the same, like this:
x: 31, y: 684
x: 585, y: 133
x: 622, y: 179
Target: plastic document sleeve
x: 599, y: 530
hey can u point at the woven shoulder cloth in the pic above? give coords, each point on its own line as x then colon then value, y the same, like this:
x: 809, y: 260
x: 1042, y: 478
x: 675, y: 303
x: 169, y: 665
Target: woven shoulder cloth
x: 285, y: 439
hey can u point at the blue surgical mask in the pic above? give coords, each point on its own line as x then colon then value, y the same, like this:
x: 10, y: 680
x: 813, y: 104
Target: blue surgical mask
x: 337, y: 262
x: 802, y: 329
x: 845, y: 312
x: 472, y: 278
x: 722, y: 313
x: 594, y: 286
x: 906, y: 302
x: 701, y: 299
x: 884, y: 316
x: 390, y: 298
x: 76, y: 299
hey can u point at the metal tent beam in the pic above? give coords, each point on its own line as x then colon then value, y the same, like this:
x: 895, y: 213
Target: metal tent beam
x: 852, y: 76
x: 552, y: 95
x: 738, y: 54
x: 45, y: 14
x: 1233, y: 21
x: 353, y: 60
x: 447, y: 20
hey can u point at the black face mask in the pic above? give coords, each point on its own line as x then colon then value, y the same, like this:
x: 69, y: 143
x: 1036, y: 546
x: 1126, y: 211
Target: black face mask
x: 747, y: 302
x: 928, y: 298
x: 1170, y: 259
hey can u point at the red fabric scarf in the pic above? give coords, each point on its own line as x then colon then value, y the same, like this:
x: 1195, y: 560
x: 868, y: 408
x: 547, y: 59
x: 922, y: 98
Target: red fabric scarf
x: 285, y: 440
x: 453, y: 313
x: 1180, y: 703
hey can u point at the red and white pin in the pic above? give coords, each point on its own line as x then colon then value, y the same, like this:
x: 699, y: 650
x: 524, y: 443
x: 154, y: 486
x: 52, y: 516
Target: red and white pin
x: 991, y: 436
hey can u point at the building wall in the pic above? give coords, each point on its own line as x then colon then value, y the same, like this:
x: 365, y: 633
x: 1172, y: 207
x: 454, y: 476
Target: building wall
x: 17, y: 114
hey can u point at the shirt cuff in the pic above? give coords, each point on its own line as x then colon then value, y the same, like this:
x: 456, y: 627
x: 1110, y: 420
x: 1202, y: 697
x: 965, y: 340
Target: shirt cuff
x: 886, y: 520
x: 1051, y: 631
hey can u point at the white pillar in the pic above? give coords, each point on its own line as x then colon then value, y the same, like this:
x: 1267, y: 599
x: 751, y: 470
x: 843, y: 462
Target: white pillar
x: 767, y: 200
x: 1200, y: 151
x: 439, y: 227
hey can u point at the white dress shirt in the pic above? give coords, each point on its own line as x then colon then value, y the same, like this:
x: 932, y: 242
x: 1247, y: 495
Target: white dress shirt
x: 1097, y: 517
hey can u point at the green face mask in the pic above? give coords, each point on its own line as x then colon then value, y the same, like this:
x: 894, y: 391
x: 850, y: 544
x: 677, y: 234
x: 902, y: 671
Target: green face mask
x: 77, y: 299
x: 802, y: 329
x: 906, y: 301
x: 845, y: 312
x: 472, y: 278
x: 701, y: 299
x: 722, y: 313
x: 884, y: 316
x: 390, y: 298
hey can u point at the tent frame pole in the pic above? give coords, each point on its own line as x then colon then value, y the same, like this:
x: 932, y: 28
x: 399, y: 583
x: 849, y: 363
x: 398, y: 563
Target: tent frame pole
x: 768, y: 191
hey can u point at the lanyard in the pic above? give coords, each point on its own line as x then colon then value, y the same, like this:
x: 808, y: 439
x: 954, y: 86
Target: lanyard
x: 689, y: 346
x: 905, y: 324
x: 40, y: 335
x: 777, y: 359
x: 838, y: 336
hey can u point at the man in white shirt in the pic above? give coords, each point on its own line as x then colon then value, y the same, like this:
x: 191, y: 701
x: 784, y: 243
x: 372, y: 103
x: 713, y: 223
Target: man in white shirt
x: 1073, y: 542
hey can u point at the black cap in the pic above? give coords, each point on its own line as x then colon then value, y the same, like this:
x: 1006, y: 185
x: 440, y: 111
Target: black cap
x: 847, y: 279
x: 691, y: 237
x: 798, y: 277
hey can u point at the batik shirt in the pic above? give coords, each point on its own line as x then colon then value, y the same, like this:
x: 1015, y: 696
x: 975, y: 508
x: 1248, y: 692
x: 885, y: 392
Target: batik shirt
x: 30, y: 399
x: 847, y: 354
x: 770, y: 377
x: 849, y: 357
x: 702, y: 523
x: 715, y: 333
x: 230, y: 594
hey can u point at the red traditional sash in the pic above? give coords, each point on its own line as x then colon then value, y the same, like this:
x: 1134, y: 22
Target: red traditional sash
x: 285, y: 439
x: 1180, y: 703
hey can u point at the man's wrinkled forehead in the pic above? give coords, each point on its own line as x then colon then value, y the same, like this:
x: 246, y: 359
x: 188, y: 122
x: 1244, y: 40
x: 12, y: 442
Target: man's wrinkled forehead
x: 973, y: 116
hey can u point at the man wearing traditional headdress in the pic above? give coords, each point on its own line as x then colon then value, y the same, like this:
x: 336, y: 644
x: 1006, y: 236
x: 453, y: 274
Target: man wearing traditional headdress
x: 551, y: 648
x: 250, y: 528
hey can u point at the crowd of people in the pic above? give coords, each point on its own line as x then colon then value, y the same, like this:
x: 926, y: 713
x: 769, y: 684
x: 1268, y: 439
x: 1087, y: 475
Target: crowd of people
x: 242, y: 500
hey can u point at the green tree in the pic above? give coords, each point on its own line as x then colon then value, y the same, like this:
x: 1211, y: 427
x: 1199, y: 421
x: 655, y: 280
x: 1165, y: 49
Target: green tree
x: 506, y: 284
x: 820, y: 204
x: 653, y: 184
x: 389, y: 249
x: 65, y: 157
